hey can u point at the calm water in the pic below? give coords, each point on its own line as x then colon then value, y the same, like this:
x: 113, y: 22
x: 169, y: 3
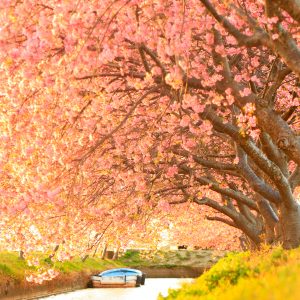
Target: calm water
x: 149, y: 291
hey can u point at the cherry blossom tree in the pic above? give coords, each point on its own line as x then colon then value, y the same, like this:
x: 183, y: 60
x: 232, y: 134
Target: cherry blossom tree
x: 112, y: 111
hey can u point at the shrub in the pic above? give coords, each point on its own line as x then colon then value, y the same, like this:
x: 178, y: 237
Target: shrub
x: 268, y: 274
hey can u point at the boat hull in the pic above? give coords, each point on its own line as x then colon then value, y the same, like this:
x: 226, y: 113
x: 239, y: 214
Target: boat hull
x: 98, y: 284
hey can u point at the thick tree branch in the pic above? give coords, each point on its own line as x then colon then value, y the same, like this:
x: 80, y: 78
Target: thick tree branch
x: 241, y: 222
x: 285, y: 46
x: 295, y: 178
x: 290, y: 6
x: 280, y: 132
x: 266, y: 165
x: 260, y: 37
x: 206, y: 163
x: 245, y: 211
x: 274, y: 153
x: 272, y: 90
x: 255, y: 182
x: 266, y: 210
x: 222, y: 220
x: 218, y: 207
x: 191, y: 82
x: 224, y: 191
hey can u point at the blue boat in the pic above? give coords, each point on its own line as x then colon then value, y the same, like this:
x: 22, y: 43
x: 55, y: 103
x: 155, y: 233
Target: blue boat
x: 122, y: 277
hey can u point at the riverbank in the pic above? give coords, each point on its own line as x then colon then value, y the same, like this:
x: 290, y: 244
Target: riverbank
x: 13, y: 290
x: 268, y: 274
x: 75, y: 274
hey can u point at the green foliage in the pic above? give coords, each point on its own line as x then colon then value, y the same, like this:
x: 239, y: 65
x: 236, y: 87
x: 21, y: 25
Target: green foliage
x: 48, y: 261
x: 269, y: 274
x: 131, y: 255
x: 226, y: 272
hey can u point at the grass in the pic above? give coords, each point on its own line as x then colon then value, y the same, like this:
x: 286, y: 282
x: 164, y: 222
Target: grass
x: 271, y: 274
x: 132, y: 258
x: 12, y: 266
x: 168, y: 258
x: 90, y: 264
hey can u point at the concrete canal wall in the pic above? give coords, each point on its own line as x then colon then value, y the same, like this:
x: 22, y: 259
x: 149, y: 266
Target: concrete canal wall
x: 12, y: 290
x: 173, y: 272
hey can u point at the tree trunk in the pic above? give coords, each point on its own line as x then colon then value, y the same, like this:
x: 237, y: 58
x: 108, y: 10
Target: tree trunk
x: 251, y: 231
x: 244, y: 242
x: 21, y: 255
x: 54, y: 251
x: 83, y: 259
x: 270, y: 219
x: 270, y: 235
x: 290, y: 224
x: 116, y: 254
x: 104, y: 251
x: 96, y: 249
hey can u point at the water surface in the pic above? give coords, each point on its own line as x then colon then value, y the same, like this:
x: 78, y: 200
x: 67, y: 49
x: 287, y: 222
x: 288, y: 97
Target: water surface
x: 149, y: 291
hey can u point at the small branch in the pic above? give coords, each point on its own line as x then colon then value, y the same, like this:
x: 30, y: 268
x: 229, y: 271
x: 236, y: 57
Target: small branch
x: 144, y: 60
x: 178, y: 202
x: 286, y: 115
x: 107, y: 136
x: 154, y: 58
x: 113, y: 74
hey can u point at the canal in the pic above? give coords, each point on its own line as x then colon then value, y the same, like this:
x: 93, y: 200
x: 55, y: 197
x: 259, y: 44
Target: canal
x: 149, y: 291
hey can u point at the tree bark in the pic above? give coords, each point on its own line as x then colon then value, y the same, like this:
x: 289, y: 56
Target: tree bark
x: 247, y: 243
x: 54, y: 251
x: 104, y: 251
x: 21, y: 255
x: 116, y: 253
x: 84, y: 258
x: 290, y: 224
x: 96, y: 249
